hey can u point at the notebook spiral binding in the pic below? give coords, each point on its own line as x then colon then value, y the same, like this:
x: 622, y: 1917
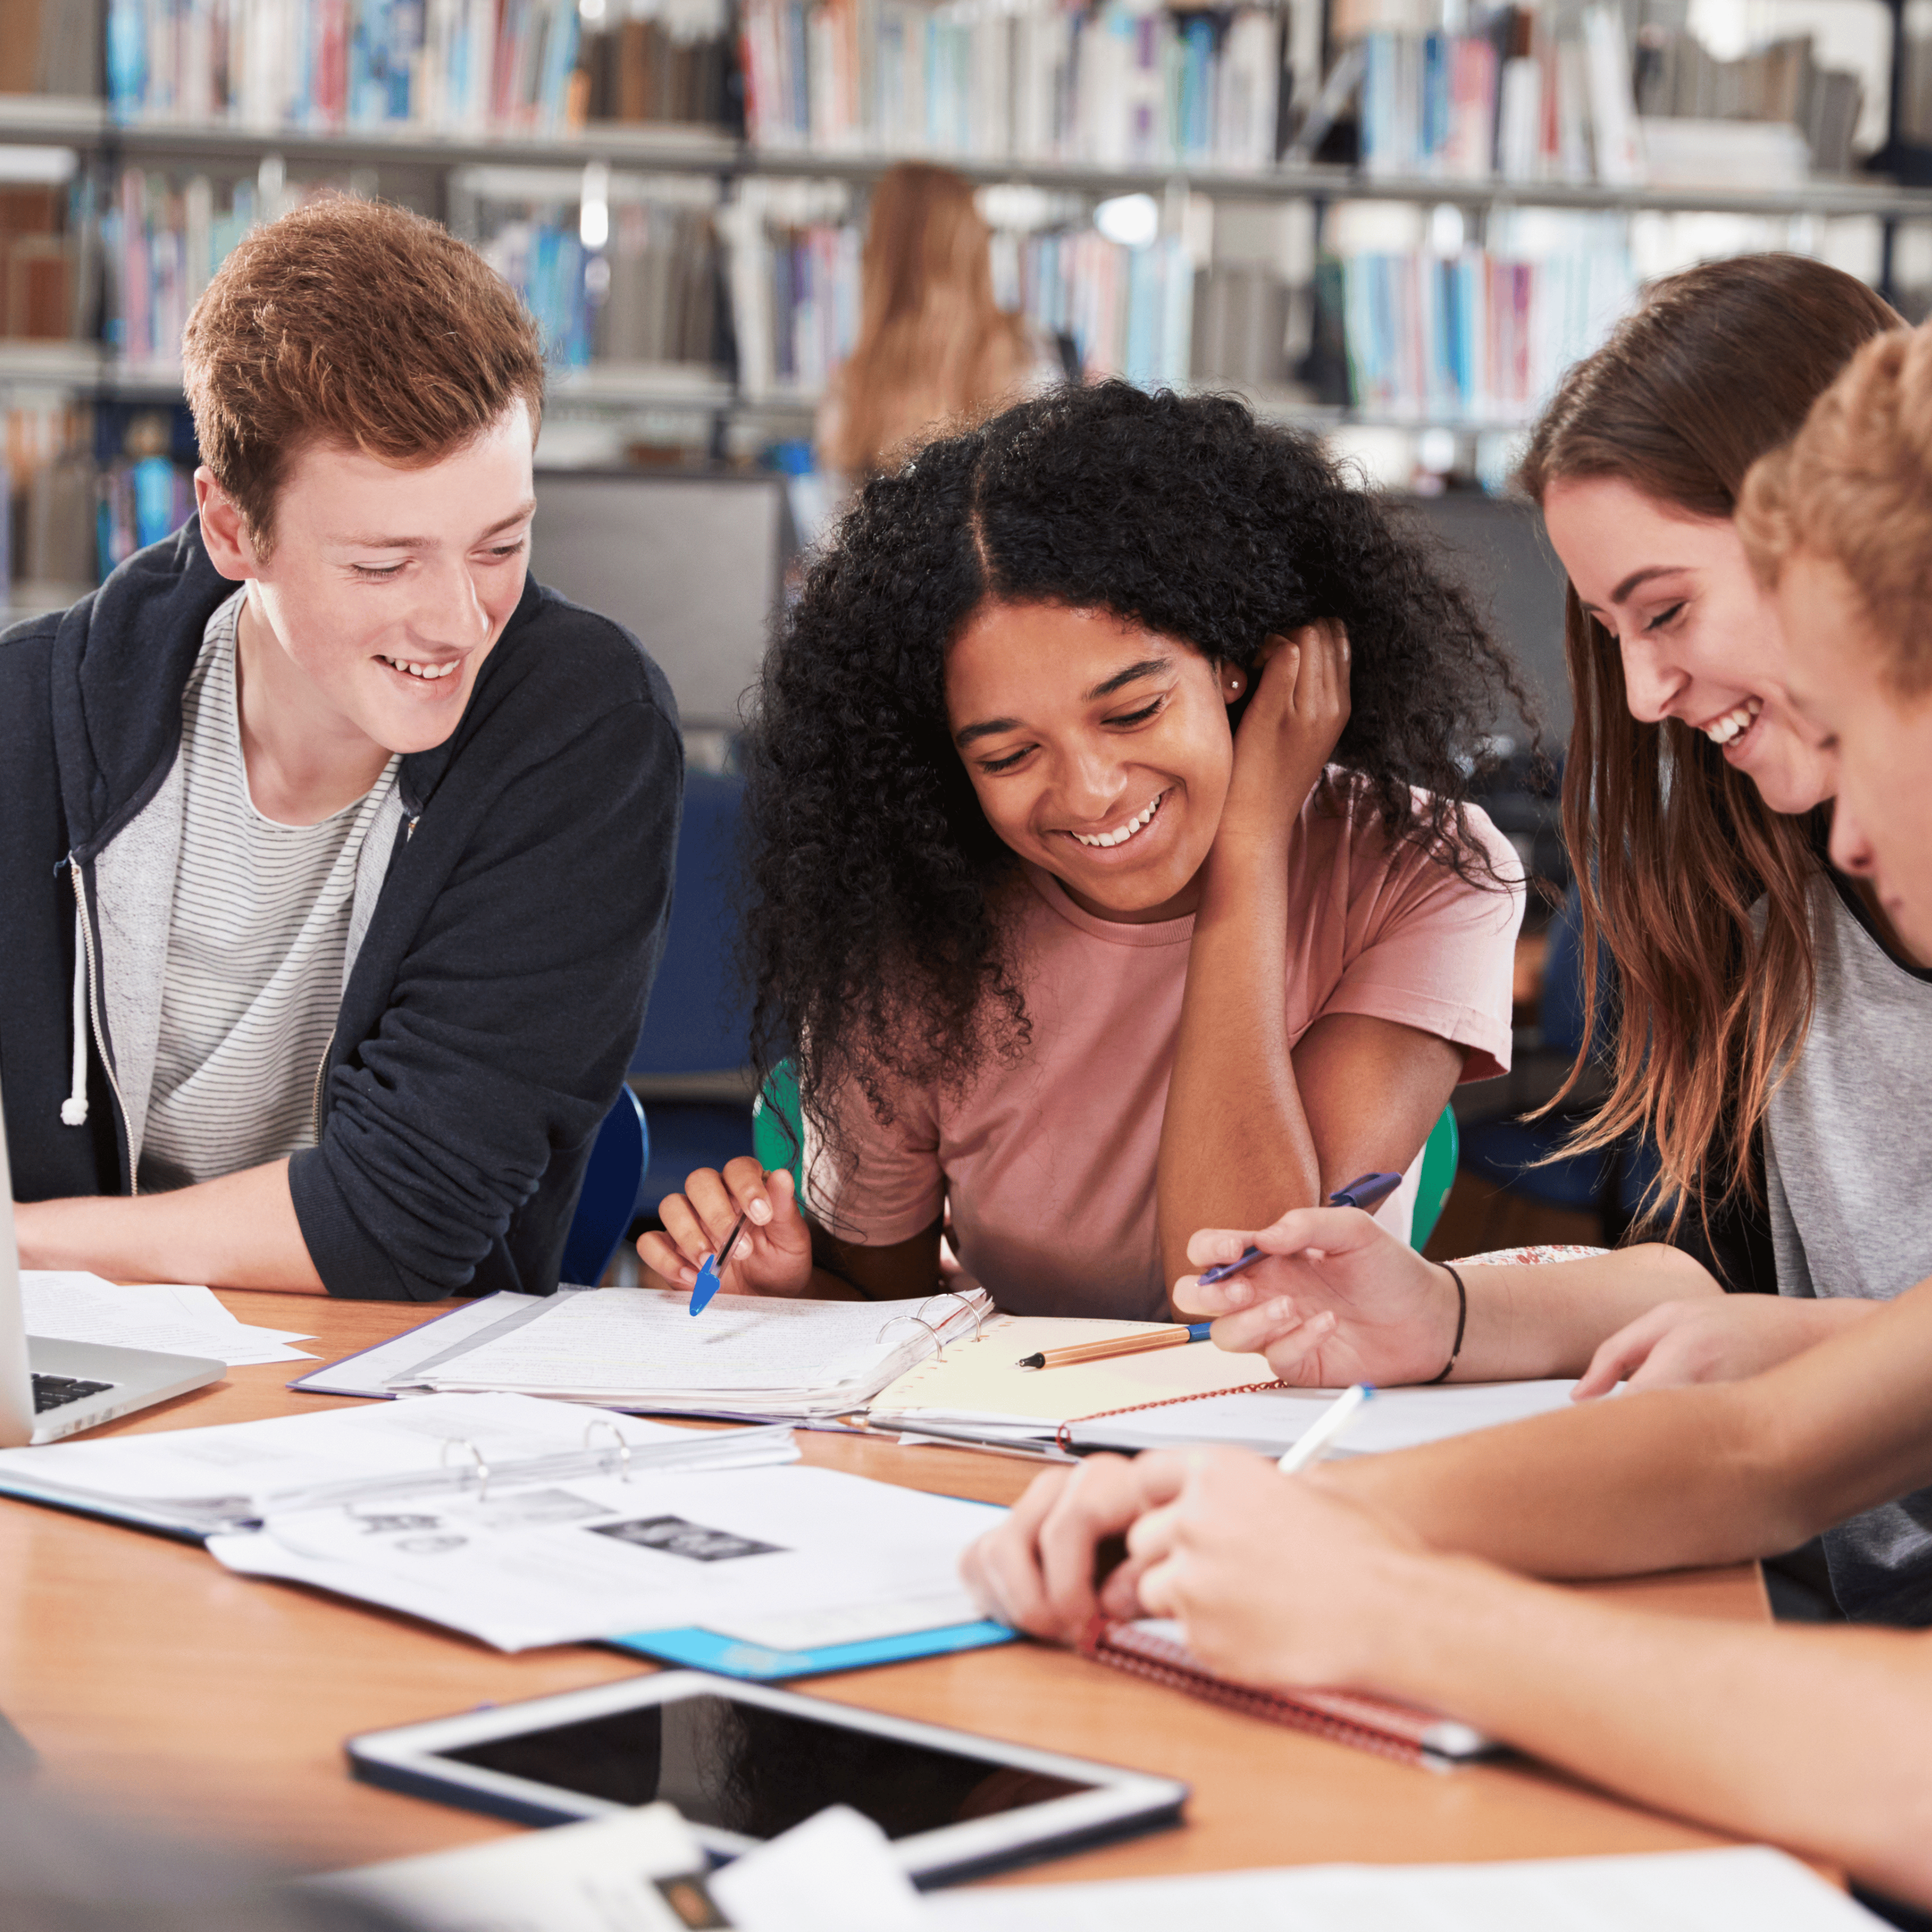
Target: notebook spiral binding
x: 1388, y: 1730
x: 1065, y: 1441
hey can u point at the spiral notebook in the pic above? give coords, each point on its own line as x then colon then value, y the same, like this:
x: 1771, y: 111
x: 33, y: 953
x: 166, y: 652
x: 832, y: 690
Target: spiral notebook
x: 1152, y: 1648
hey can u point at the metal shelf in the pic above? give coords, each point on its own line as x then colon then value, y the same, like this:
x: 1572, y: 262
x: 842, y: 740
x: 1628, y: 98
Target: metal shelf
x: 66, y: 121
x: 86, y: 366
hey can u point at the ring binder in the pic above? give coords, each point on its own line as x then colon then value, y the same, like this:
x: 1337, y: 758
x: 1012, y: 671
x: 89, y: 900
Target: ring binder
x: 965, y: 1300
x: 476, y: 1457
x: 939, y: 1345
x: 591, y: 1428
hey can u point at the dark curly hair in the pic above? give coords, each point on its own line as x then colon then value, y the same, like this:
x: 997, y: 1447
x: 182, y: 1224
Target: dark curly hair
x: 874, y: 946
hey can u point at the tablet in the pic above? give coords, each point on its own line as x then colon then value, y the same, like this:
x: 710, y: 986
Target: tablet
x: 745, y: 1762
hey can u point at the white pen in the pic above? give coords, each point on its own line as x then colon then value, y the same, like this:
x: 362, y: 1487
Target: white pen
x: 1316, y: 1443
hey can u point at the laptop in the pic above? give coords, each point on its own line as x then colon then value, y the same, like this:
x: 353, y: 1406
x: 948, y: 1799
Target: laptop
x: 49, y: 1389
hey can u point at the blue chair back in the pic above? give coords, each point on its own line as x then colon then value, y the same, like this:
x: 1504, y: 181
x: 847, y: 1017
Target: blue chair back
x: 610, y: 1196
x: 697, y: 1023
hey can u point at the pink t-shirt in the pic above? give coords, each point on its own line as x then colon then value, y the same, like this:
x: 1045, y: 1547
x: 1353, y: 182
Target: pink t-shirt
x: 1047, y: 1163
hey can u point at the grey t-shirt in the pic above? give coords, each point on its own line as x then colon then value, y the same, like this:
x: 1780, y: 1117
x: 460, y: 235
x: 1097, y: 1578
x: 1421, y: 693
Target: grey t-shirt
x: 1848, y: 1172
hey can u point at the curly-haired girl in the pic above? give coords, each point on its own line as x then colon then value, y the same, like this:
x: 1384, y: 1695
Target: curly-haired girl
x: 1059, y: 946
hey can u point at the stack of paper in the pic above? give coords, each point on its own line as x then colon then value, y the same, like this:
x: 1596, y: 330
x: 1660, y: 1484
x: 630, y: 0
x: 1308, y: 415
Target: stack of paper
x: 745, y: 1355
x: 781, y: 1560
x: 176, y: 1319
x: 193, y: 1482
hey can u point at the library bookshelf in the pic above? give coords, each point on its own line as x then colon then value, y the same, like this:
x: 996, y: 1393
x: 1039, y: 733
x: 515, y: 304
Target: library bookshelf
x: 727, y: 372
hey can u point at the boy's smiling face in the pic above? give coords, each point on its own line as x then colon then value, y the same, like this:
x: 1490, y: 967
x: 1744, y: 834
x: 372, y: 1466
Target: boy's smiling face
x: 385, y: 587
x: 1879, y: 738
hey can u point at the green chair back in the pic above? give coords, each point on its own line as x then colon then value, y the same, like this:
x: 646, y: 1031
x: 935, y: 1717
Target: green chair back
x: 1439, y: 1155
x: 778, y: 1136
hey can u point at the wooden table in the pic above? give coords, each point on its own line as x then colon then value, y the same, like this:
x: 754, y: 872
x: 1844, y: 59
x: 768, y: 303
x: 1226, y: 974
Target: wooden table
x: 153, y: 1680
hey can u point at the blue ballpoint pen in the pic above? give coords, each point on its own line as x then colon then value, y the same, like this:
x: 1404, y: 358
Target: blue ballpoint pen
x: 1367, y: 1192
x: 705, y: 1285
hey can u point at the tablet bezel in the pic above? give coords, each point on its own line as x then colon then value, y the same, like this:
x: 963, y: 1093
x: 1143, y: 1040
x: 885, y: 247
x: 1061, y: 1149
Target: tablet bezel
x: 410, y: 1758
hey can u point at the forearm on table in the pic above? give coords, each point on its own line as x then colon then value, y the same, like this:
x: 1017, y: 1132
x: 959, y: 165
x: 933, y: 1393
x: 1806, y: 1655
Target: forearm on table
x: 1712, y: 1473
x: 238, y: 1232
x: 1236, y: 1150
x: 1813, y: 1739
x: 1656, y: 1481
x: 1530, y: 1322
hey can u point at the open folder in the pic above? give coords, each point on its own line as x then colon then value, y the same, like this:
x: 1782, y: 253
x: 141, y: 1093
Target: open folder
x: 641, y: 1348
x: 524, y: 1522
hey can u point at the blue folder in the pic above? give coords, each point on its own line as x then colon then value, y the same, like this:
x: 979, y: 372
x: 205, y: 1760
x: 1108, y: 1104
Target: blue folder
x: 706, y: 1650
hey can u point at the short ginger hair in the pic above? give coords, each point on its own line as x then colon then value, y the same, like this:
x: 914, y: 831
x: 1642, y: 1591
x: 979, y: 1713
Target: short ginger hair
x: 357, y: 324
x: 1854, y: 488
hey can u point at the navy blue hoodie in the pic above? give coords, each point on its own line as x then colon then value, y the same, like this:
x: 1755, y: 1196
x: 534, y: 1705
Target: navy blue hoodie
x: 496, y: 993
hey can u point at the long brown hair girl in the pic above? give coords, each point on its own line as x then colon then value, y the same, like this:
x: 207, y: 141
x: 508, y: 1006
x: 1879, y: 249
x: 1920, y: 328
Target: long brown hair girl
x: 1673, y: 844
x: 934, y: 346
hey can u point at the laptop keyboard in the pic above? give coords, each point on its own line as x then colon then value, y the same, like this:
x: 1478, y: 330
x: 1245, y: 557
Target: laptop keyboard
x: 57, y: 1391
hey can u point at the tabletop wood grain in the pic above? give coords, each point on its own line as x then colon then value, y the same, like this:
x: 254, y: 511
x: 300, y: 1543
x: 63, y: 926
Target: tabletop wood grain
x: 151, y: 1679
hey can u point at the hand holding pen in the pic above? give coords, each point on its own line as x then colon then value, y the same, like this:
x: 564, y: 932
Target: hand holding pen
x: 746, y: 1223
x: 1330, y: 1297
x: 1366, y: 1192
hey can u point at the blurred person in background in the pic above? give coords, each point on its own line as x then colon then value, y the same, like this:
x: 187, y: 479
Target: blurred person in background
x: 935, y: 347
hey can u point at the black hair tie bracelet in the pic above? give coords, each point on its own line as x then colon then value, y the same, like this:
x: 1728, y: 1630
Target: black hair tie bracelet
x: 1462, y: 1322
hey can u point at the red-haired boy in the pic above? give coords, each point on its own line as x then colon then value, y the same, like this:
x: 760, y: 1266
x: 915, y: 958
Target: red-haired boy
x: 337, y: 852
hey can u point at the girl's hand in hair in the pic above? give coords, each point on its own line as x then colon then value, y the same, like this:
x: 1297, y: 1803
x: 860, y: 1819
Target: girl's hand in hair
x: 773, y: 1254
x: 1336, y: 1299
x: 1296, y: 712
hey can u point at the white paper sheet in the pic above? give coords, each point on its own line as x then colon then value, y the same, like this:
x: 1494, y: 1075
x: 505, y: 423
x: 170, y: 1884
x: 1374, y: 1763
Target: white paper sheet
x: 1273, y: 1420
x: 610, y: 1875
x: 171, y: 1316
x: 234, y: 1469
x: 621, y: 1344
x: 1747, y: 1886
x: 835, y: 1872
x: 762, y: 1555
x: 378, y: 1372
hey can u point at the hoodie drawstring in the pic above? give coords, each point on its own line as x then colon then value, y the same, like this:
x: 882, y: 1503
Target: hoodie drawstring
x: 73, y: 1108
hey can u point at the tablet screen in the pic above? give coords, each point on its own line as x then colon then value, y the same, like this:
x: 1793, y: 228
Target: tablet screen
x: 745, y: 1769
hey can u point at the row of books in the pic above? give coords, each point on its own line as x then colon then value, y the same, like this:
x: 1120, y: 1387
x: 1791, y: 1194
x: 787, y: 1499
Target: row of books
x: 1476, y: 337
x: 676, y: 70
x: 1678, y: 78
x: 1514, y: 98
x: 649, y: 293
x: 82, y: 487
x: 1127, y: 311
x: 1116, y: 84
x: 160, y: 246
x: 49, y: 248
x: 1130, y: 311
x: 460, y: 66
x: 813, y: 273
x: 138, y: 501
x: 1520, y: 98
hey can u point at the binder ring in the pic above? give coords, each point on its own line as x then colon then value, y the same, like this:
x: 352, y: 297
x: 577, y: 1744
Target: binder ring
x: 922, y: 1322
x: 590, y: 1428
x: 964, y: 1300
x: 476, y: 1455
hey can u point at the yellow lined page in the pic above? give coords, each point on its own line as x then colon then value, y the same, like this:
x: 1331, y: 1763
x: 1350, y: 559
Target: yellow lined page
x: 981, y: 1378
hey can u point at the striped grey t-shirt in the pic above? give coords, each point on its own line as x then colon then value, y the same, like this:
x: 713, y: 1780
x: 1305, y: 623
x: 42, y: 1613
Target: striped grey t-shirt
x: 255, y: 949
